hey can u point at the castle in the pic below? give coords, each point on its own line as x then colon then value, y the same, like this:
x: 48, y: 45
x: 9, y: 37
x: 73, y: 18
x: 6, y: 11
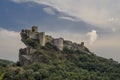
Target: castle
x: 40, y: 39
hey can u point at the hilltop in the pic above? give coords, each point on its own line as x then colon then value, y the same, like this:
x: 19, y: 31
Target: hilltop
x: 35, y: 41
x: 57, y: 59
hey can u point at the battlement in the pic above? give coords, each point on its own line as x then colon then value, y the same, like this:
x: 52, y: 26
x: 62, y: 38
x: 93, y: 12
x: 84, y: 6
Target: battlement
x: 33, y: 29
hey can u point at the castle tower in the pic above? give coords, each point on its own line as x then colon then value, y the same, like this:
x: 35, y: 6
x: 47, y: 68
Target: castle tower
x: 42, y: 38
x: 82, y: 44
x: 58, y: 43
x: 34, y: 29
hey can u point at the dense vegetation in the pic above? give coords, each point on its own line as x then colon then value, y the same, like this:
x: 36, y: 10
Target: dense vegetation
x: 3, y: 67
x: 51, y: 64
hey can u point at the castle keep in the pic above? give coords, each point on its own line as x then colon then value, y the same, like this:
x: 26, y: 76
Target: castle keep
x: 34, y: 34
x: 35, y: 40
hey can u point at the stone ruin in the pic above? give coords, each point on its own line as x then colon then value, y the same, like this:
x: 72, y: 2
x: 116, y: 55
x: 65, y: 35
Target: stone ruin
x: 41, y: 38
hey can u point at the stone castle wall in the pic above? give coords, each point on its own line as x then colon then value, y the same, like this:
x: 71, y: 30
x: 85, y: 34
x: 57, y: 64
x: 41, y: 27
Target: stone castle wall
x: 34, y: 34
x: 58, y: 43
x: 41, y: 37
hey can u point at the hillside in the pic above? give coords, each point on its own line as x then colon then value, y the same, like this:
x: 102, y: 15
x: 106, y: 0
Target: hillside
x: 48, y: 58
x: 52, y: 64
x: 3, y: 67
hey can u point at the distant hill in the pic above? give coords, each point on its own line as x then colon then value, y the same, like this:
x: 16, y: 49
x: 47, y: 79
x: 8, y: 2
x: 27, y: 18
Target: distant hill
x: 5, y: 63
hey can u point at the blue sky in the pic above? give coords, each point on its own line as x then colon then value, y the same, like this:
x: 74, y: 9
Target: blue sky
x: 97, y: 23
x: 16, y: 16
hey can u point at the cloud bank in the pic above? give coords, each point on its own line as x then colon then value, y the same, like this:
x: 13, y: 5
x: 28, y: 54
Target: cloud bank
x: 9, y: 44
x: 49, y: 10
x: 101, y: 13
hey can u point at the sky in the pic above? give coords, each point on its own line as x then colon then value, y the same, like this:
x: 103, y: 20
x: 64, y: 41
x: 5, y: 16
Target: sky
x: 95, y: 22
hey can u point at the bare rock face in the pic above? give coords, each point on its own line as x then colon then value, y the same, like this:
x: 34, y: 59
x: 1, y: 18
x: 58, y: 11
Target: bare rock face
x: 35, y: 40
x: 24, y: 55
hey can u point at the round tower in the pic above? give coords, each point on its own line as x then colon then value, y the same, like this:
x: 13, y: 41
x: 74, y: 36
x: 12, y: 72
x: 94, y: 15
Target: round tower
x: 58, y: 43
x: 42, y: 38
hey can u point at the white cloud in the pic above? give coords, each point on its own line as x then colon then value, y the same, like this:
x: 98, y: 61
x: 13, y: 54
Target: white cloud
x: 67, y: 18
x: 49, y: 10
x: 92, y: 36
x: 114, y: 29
x: 9, y: 44
x: 111, y: 19
x: 95, y: 12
